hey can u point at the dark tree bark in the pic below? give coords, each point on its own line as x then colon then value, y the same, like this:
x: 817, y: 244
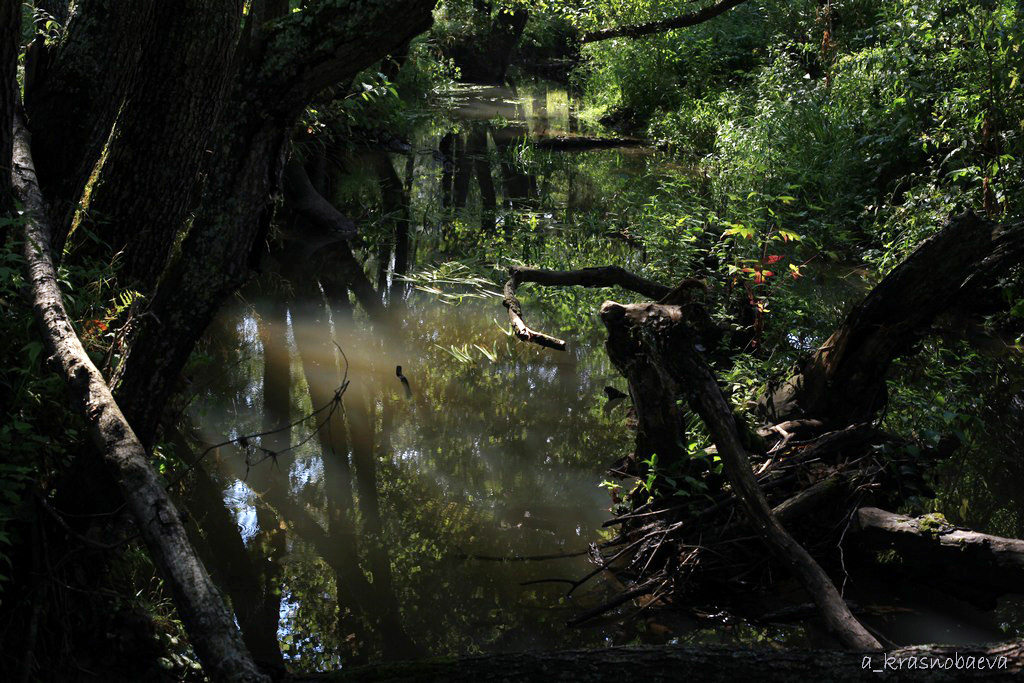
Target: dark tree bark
x: 208, y: 622
x: 476, y: 148
x: 10, y: 38
x: 298, y: 56
x: 74, y: 95
x: 638, y: 30
x: 844, y: 381
x: 152, y: 160
x: 304, y: 198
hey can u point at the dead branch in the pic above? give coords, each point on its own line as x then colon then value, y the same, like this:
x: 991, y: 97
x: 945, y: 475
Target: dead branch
x: 638, y: 30
x: 209, y: 623
x: 675, y: 347
x: 604, y: 276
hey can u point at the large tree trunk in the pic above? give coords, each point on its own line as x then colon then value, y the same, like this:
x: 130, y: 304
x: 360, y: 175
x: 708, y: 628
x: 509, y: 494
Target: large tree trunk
x: 74, y: 92
x: 844, y: 381
x: 10, y: 38
x: 207, y: 620
x: 152, y: 160
x: 298, y: 56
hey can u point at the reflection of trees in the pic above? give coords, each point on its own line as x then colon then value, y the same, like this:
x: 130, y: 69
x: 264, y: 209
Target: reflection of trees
x: 390, y: 493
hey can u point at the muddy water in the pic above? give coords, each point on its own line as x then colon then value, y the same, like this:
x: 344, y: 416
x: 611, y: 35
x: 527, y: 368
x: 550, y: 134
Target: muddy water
x: 452, y: 516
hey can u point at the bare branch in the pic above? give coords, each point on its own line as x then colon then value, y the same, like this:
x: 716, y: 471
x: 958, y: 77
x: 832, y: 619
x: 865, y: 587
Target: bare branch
x: 638, y: 30
x: 604, y: 276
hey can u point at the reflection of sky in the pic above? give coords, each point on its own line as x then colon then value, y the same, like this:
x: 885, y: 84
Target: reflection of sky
x: 238, y: 499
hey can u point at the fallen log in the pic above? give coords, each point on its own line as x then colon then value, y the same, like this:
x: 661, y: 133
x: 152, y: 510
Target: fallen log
x: 662, y: 333
x: 972, y: 564
x: 210, y: 625
x: 709, y: 663
x: 576, y: 143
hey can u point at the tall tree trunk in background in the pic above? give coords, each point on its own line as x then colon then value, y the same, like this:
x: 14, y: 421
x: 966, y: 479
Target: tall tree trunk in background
x: 395, y: 201
x: 10, y: 38
x: 476, y: 148
x: 143, y: 192
x: 74, y: 92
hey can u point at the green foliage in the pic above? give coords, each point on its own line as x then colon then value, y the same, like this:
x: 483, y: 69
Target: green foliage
x: 903, y: 113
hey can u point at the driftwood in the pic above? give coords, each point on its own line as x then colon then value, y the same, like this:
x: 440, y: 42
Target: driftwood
x: 576, y: 143
x: 209, y: 623
x: 662, y: 333
x: 720, y: 664
x: 606, y: 276
x: 638, y: 30
x: 974, y: 565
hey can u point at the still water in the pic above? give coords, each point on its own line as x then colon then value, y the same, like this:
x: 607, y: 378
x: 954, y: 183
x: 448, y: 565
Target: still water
x: 453, y: 516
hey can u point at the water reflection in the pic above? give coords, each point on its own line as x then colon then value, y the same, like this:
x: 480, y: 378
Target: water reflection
x: 365, y: 525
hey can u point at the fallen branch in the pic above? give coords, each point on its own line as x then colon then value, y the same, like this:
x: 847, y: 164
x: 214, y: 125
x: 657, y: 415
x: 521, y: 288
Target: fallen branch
x: 638, y: 30
x: 209, y: 623
x: 575, y: 143
x: 605, y: 276
x: 676, y: 348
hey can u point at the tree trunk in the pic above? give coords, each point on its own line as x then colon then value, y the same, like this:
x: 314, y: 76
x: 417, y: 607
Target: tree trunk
x: 299, y: 55
x: 74, y: 94
x: 10, y: 39
x: 207, y: 621
x: 844, y: 381
x: 152, y: 160
x: 975, y: 566
x: 663, y: 334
